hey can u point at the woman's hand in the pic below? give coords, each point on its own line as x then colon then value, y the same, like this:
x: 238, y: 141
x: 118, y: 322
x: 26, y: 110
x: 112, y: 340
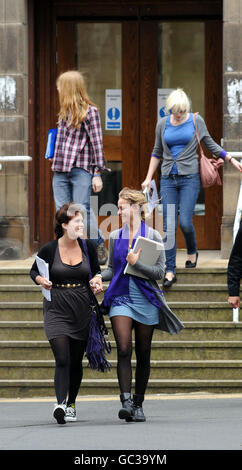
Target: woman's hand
x: 236, y: 164
x: 96, y: 284
x: 234, y: 301
x: 97, y: 184
x: 42, y: 281
x: 133, y: 257
x: 146, y: 183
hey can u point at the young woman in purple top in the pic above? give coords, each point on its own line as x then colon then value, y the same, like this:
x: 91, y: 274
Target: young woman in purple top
x: 136, y: 303
x: 176, y: 144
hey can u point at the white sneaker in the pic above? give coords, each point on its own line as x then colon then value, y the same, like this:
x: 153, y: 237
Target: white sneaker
x: 59, y: 413
x: 71, y: 413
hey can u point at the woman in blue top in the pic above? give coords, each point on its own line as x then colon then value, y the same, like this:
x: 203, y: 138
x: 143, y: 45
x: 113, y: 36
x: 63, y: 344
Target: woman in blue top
x: 176, y: 144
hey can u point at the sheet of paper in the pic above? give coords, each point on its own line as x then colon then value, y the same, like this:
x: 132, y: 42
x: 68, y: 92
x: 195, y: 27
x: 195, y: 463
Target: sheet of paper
x: 151, y: 195
x: 43, y: 268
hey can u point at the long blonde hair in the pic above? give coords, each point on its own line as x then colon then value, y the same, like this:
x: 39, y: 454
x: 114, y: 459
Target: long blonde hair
x: 133, y: 196
x: 73, y: 97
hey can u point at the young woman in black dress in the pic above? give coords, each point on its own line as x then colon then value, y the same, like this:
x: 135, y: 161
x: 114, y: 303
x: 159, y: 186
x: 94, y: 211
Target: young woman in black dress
x: 67, y: 315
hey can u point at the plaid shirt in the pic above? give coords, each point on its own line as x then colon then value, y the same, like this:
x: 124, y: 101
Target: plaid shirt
x: 82, y: 147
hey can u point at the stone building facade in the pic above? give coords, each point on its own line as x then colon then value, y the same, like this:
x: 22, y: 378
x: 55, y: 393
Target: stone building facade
x: 14, y: 220
x: 232, y: 118
x: 15, y: 192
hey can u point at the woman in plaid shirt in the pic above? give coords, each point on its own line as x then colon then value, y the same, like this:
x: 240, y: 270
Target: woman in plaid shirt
x: 78, y: 158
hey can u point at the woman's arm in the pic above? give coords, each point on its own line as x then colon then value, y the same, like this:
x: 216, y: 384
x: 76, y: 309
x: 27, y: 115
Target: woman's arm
x: 107, y: 273
x: 46, y: 253
x: 212, y: 146
x: 154, y: 163
x: 94, y: 264
x: 156, y: 156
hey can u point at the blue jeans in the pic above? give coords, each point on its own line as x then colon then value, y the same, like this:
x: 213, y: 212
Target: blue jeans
x: 76, y: 186
x: 181, y: 192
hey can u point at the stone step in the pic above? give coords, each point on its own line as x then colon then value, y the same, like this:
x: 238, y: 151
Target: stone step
x: 14, y: 311
x: 201, y: 276
x: 202, y: 311
x: 20, y: 293
x: 198, y: 292
x: 161, y: 350
x: 38, y: 370
x: 189, y: 276
x: 177, y: 293
x: 186, y: 311
x: 199, y: 331
x: 14, y: 276
x: 191, y: 293
x: 45, y: 387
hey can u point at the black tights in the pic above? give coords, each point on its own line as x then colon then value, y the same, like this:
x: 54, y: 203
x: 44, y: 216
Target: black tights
x: 68, y: 355
x: 122, y: 328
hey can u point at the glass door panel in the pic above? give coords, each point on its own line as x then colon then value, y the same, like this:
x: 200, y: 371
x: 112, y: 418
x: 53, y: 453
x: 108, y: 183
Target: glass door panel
x: 181, y: 64
x: 98, y: 56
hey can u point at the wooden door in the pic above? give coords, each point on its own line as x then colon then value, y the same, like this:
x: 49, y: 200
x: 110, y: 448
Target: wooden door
x: 131, y: 149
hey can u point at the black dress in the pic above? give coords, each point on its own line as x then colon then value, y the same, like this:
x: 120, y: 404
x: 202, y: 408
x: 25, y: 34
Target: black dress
x: 69, y: 312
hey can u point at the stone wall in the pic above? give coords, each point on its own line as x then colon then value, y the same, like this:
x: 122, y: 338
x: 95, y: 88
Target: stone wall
x: 14, y: 226
x: 232, y: 66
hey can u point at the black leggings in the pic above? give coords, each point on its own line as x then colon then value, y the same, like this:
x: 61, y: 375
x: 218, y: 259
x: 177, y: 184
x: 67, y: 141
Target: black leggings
x: 68, y: 355
x: 122, y: 328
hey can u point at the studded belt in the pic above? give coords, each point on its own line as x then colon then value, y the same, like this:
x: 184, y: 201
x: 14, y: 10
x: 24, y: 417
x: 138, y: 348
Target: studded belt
x: 68, y: 285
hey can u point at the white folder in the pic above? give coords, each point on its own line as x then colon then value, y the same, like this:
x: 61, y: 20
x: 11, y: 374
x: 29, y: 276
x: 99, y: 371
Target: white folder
x: 150, y: 253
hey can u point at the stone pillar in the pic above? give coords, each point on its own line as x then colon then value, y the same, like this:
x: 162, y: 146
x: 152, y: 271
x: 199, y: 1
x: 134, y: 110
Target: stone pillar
x: 232, y: 132
x: 14, y: 223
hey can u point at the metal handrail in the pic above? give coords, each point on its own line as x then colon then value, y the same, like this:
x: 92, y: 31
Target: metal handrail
x: 237, y: 220
x: 16, y: 158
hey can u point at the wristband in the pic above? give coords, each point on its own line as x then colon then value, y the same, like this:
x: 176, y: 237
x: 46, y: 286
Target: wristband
x: 230, y: 159
x: 97, y: 174
x: 98, y: 275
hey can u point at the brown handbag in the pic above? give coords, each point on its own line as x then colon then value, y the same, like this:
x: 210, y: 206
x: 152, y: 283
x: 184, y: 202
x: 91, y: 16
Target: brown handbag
x: 208, y: 166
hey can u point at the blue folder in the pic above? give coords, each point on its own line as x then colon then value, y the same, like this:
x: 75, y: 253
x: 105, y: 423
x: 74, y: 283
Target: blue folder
x: 50, y: 147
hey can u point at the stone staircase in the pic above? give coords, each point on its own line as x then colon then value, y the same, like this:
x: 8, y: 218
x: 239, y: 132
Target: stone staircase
x: 205, y: 356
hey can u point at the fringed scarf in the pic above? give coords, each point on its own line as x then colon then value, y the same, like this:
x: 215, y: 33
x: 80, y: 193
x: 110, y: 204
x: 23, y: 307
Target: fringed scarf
x: 97, y: 344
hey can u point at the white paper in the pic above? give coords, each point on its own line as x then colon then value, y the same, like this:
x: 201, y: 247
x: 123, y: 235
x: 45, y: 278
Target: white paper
x: 43, y: 268
x: 113, y: 110
x: 151, y: 195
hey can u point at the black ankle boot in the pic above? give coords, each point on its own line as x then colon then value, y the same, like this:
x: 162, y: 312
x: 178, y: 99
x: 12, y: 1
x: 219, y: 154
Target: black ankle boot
x: 137, y: 408
x: 126, y: 411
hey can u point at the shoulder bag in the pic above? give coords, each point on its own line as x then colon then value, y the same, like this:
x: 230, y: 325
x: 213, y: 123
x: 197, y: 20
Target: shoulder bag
x: 208, y: 166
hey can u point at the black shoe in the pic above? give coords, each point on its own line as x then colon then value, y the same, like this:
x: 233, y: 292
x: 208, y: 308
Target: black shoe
x: 189, y: 264
x: 168, y: 283
x: 126, y: 411
x: 138, y: 414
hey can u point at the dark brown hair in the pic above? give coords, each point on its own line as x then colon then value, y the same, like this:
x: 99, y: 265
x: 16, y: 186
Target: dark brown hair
x: 64, y: 215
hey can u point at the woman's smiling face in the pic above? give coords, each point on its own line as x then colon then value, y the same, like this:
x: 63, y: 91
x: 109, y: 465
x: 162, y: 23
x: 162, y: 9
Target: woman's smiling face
x: 75, y: 227
x: 124, y: 210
